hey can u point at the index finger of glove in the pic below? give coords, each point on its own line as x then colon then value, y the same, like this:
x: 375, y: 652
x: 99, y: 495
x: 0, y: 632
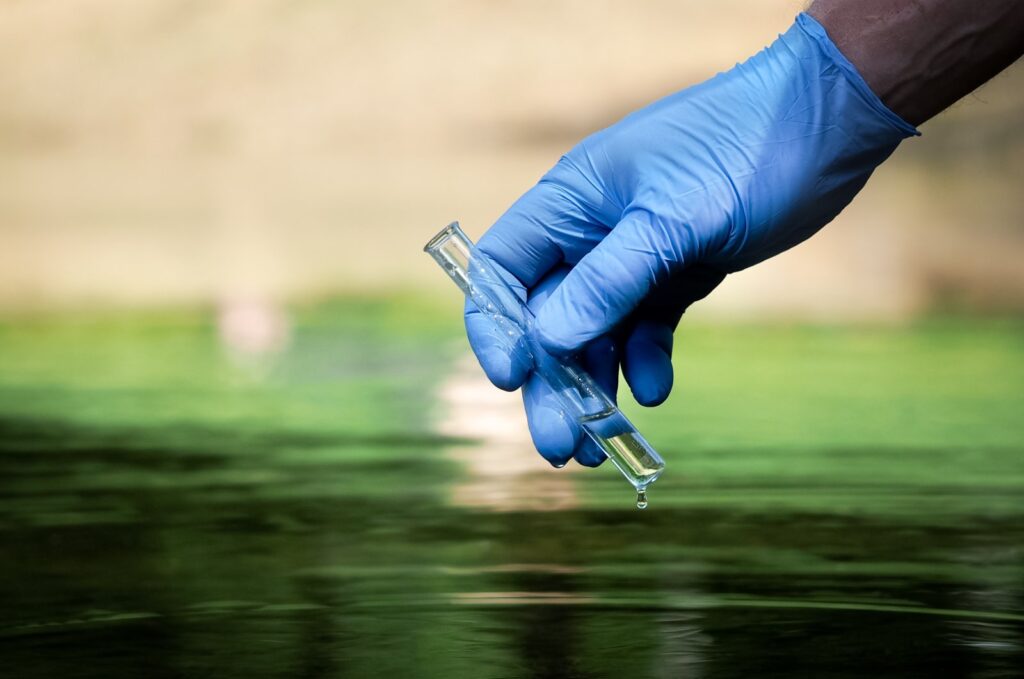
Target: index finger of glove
x: 525, y: 244
x: 542, y: 229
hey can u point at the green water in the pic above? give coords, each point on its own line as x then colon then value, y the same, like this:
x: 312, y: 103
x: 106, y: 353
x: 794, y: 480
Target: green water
x: 838, y: 502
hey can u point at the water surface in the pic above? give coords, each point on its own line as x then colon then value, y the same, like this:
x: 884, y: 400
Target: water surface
x: 838, y: 502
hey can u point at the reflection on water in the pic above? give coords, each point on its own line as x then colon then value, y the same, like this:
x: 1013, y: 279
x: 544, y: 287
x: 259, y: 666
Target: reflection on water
x: 316, y: 523
x: 501, y: 471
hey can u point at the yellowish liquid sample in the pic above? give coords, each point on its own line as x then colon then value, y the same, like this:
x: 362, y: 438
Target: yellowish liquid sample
x: 626, y: 448
x: 630, y: 451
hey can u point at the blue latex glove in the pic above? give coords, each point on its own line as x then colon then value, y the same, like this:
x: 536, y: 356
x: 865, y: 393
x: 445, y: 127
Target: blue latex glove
x: 644, y: 218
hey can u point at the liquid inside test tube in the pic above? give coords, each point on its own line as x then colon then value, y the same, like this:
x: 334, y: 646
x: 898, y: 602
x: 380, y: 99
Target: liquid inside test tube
x: 624, y: 446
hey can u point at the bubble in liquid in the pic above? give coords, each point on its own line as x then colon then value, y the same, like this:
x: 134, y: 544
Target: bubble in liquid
x: 641, y: 499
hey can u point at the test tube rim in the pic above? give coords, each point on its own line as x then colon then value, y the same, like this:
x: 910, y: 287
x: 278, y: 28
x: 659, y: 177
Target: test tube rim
x: 441, y: 236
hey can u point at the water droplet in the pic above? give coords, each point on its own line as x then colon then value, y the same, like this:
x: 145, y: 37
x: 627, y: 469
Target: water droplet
x: 559, y: 465
x: 641, y: 498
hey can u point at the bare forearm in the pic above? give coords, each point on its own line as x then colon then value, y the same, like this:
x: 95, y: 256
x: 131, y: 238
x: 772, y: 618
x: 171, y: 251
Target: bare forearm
x: 920, y: 56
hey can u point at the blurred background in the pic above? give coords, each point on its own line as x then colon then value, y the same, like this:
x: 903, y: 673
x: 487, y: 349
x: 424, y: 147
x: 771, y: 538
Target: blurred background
x: 156, y: 152
x: 241, y: 431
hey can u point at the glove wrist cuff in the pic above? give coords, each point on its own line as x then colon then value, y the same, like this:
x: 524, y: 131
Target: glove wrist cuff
x: 810, y: 27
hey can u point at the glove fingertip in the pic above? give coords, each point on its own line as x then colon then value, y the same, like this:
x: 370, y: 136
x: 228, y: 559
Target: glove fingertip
x: 501, y: 361
x: 590, y: 455
x: 648, y: 370
x: 553, y: 435
x: 503, y: 370
x: 650, y: 392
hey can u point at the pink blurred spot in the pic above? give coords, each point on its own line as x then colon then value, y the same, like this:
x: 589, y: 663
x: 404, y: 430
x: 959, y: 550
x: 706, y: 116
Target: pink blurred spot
x: 253, y: 327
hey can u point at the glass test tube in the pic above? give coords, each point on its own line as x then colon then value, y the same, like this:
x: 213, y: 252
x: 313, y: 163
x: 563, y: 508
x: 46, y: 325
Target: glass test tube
x: 580, y: 397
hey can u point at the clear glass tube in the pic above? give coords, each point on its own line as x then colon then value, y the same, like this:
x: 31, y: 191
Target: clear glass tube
x: 580, y: 397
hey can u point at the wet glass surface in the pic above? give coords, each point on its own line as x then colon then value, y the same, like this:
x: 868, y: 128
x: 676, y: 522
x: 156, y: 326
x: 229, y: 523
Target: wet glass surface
x: 837, y: 502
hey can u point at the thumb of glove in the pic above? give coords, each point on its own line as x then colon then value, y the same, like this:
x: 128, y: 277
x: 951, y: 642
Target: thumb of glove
x: 610, y: 281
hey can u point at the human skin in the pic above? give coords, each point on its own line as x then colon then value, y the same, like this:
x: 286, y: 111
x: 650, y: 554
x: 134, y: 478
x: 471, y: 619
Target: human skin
x: 921, y: 56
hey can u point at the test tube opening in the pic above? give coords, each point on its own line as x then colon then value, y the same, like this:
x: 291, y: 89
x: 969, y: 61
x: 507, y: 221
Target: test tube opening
x: 439, y: 238
x: 451, y: 248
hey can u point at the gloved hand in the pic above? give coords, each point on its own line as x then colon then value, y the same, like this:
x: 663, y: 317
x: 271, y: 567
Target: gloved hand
x: 644, y: 218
